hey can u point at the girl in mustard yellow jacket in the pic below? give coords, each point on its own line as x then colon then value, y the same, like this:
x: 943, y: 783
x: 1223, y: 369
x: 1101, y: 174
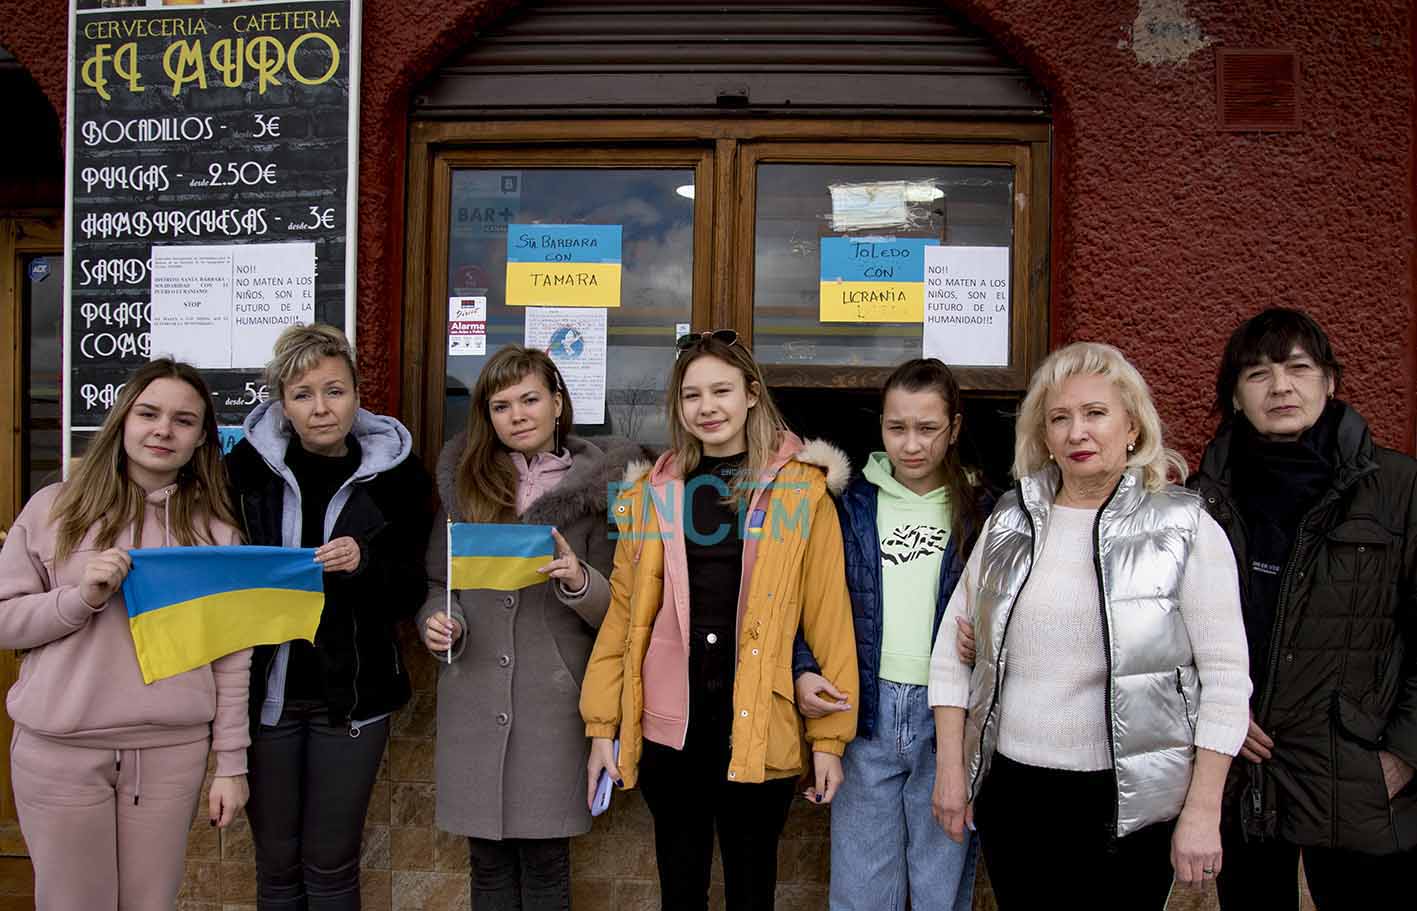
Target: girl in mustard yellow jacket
x: 727, y: 546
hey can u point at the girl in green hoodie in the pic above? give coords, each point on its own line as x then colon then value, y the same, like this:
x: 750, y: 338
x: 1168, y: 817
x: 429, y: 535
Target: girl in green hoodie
x: 907, y: 524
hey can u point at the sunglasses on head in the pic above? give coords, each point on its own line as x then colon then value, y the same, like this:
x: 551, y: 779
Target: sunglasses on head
x: 693, y: 339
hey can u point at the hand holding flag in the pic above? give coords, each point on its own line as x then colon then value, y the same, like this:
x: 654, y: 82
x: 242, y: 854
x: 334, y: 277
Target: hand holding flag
x: 342, y: 555
x: 103, y: 575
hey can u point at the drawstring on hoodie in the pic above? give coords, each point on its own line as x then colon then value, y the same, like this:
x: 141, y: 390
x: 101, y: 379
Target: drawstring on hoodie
x: 166, y: 523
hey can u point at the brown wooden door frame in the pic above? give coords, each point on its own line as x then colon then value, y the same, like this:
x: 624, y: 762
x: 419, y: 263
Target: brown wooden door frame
x: 21, y: 234
x: 724, y: 153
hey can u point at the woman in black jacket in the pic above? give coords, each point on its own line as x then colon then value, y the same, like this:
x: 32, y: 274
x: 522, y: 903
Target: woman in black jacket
x: 1324, y: 527
x: 316, y: 470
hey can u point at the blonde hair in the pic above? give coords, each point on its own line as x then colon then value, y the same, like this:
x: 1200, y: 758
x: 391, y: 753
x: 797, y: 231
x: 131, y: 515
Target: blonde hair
x: 1159, y: 465
x: 299, y: 348
x: 764, y: 427
x: 99, y: 491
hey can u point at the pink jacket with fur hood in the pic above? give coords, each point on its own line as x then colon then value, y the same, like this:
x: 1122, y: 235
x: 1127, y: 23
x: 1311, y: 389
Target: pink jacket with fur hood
x: 80, y: 682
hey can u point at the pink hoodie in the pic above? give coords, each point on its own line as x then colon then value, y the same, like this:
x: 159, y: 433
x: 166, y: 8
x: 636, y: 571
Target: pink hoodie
x: 80, y: 682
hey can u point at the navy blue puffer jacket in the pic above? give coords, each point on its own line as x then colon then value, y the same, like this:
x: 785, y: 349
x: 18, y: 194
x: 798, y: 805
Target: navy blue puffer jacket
x: 861, y: 542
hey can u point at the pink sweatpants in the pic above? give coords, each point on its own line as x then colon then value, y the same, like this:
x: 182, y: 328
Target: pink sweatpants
x: 93, y: 847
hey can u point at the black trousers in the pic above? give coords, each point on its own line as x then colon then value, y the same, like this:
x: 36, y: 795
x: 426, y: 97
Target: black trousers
x: 1265, y: 874
x: 689, y: 796
x: 310, y: 786
x: 1046, y: 837
x: 521, y: 874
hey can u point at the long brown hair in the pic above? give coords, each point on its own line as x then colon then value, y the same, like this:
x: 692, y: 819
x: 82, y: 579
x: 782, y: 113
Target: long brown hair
x: 928, y: 374
x: 764, y: 427
x: 101, y: 493
x: 486, y: 480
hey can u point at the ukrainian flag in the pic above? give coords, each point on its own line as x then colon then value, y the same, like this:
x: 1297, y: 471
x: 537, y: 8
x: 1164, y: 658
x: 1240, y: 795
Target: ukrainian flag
x: 188, y: 606
x: 501, y: 557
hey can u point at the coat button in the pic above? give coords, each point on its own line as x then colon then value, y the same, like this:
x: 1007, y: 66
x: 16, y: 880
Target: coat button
x: 503, y: 718
x: 711, y: 638
x: 504, y: 660
x: 744, y: 713
x: 732, y: 774
x: 1289, y: 657
x: 508, y: 601
x: 755, y: 652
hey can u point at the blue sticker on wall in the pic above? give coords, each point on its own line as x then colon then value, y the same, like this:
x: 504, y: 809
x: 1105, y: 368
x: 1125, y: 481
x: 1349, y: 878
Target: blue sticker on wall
x: 39, y: 269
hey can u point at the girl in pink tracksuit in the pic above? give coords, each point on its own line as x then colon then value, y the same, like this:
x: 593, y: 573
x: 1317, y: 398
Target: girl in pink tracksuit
x: 106, y: 770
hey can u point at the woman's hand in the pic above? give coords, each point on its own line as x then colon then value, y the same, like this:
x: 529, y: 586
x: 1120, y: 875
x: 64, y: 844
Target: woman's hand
x: 827, y: 767
x: 811, y: 705
x: 104, y: 575
x: 964, y: 641
x: 226, y: 798
x: 1195, y: 846
x: 949, y: 801
x: 566, y: 568
x: 1396, y: 773
x: 1257, y: 745
x: 342, y: 555
x: 440, y: 631
x: 602, y: 757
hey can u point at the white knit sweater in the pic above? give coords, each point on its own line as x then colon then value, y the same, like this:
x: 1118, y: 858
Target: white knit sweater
x: 1052, y: 709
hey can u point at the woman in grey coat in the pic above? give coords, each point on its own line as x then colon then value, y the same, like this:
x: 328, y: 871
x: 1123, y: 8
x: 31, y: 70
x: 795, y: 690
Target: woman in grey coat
x: 511, y: 748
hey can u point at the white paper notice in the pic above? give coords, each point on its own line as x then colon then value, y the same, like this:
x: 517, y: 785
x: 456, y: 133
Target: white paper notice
x: 575, y: 338
x: 467, y: 326
x: 967, y: 305
x: 222, y: 307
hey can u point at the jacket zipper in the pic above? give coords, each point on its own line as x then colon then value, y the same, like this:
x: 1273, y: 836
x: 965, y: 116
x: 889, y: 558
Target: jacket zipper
x: 1003, y: 639
x: 1107, y: 653
x: 1275, y: 637
x: 1185, y: 704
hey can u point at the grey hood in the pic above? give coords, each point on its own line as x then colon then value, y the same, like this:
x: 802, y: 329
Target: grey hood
x: 383, y: 441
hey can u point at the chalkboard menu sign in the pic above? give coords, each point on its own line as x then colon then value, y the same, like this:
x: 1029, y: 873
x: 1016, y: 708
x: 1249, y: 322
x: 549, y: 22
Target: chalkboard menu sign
x: 211, y: 190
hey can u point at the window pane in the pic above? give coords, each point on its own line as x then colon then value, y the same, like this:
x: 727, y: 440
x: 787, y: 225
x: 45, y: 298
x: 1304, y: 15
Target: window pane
x: 654, y: 207
x: 43, y: 302
x: 799, y: 205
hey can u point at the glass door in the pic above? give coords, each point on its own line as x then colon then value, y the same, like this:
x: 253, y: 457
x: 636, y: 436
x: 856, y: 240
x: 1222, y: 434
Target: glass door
x: 596, y: 257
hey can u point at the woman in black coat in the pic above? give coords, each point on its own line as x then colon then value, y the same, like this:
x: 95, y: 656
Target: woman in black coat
x: 1324, y: 527
x: 316, y: 470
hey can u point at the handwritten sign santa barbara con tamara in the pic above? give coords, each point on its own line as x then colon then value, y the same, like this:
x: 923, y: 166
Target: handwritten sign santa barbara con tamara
x: 563, y: 265
x: 873, y: 279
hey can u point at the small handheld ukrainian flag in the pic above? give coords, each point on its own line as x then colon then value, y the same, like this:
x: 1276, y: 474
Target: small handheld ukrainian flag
x: 500, y: 557
x: 188, y: 606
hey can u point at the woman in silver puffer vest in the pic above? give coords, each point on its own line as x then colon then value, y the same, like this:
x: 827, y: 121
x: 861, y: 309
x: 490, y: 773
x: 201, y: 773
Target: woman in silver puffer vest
x: 1110, y: 689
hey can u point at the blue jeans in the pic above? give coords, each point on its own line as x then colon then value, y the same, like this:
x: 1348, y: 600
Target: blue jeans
x: 885, y: 841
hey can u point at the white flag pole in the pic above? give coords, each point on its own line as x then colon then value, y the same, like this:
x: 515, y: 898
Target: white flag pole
x: 450, y: 591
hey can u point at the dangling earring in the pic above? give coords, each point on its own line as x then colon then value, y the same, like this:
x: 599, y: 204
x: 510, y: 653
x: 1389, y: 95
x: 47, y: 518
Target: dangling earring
x: 1050, y: 456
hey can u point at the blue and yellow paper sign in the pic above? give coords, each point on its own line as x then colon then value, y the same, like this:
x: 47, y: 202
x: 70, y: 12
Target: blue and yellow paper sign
x: 500, y: 557
x: 188, y: 606
x: 873, y: 279
x: 563, y: 265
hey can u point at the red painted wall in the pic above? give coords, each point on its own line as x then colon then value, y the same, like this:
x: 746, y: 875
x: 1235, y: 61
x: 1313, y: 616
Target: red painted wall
x: 1166, y: 231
